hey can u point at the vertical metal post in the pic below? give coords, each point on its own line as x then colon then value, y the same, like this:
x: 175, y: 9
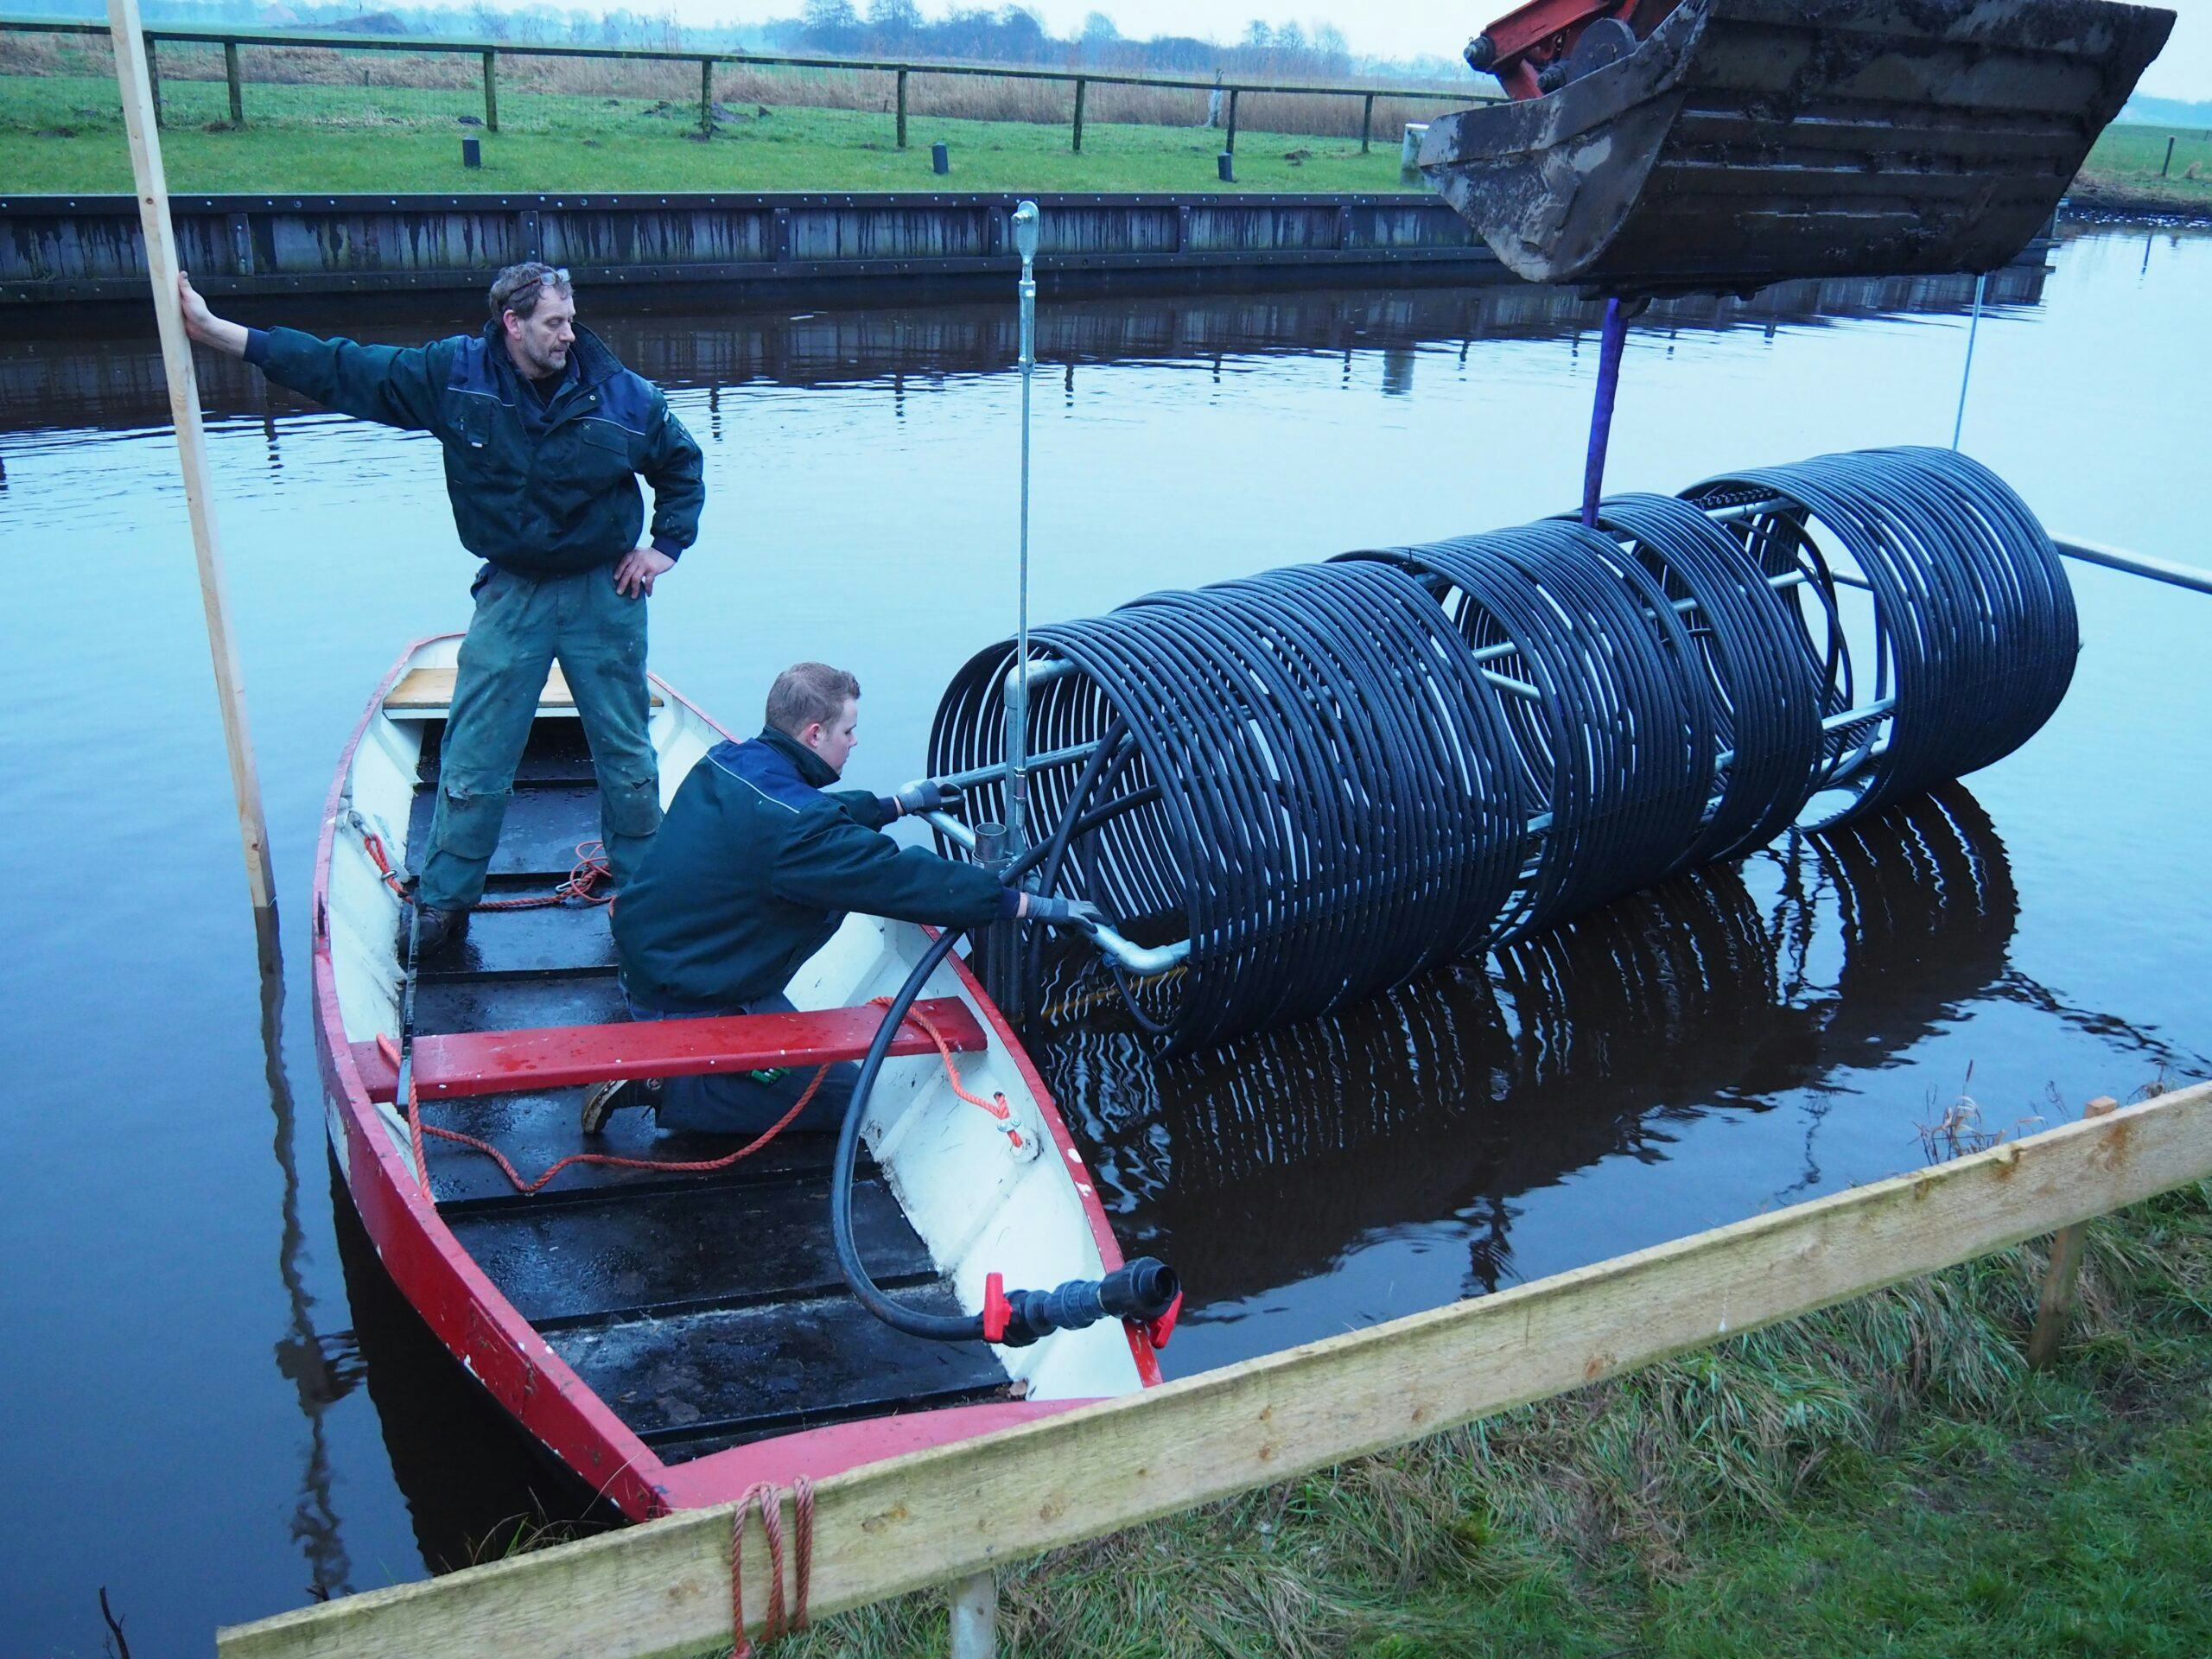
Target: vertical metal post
x: 902, y: 109
x: 1079, y: 84
x: 1231, y: 145
x: 491, y: 92
x: 976, y: 1618
x: 1614, y: 340
x: 1366, y: 122
x: 1017, y: 702
x: 1966, y: 375
x: 707, y: 95
x: 230, y: 74
x: 2167, y: 166
x: 153, y: 84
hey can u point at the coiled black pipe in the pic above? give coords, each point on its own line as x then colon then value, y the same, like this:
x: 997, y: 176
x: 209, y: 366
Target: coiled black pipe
x: 1331, y: 777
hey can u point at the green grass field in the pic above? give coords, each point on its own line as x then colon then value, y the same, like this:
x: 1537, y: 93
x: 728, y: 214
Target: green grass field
x: 2125, y: 166
x: 65, y: 133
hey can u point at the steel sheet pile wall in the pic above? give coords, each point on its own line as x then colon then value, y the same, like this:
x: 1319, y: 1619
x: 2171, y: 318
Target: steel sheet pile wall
x: 1331, y: 777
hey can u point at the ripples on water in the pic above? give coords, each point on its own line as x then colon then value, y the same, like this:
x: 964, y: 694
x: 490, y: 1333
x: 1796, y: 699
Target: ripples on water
x: 222, y: 1410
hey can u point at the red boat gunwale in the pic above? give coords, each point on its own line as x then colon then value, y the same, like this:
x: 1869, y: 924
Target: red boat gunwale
x: 500, y: 1349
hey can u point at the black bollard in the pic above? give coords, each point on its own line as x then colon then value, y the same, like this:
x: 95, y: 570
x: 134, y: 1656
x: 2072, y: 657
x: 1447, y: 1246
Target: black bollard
x: 472, y: 152
x: 940, y: 160
x: 1227, y: 164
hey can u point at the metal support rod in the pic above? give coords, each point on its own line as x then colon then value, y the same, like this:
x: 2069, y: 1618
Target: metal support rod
x: 1966, y: 375
x: 130, y: 39
x: 153, y: 85
x: 230, y: 74
x: 976, y: 1617
x: 707, y: 95
x: 1017, y: 703
x: 1230, y: 139
x: 1080, y: 85
x: 1611, y: 344
x: 2135, y: 564
x: 902, y: 109
x: 1366, y: 122
x: 2167, y: 166
x: 491, y: 92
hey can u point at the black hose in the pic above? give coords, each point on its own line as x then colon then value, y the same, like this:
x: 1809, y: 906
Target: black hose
x: 1335, y: 776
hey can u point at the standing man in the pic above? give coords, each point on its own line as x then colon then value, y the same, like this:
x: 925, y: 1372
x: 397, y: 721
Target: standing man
x: 545, y: 436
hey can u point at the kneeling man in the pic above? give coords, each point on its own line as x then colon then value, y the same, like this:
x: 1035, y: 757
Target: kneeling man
x: 756, y: 864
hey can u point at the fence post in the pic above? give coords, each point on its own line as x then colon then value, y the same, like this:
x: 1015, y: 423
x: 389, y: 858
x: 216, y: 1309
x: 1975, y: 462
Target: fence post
x: 2168, y: 166
x: 1366, y: 122
x: 976, y: 1617
x: 2055, y: 1307
x: 902, y: 109
x: 154, y: 82
x: 1231, y: 145
x: 1080, y: 85
x: 707, y: 95
x: 491, y: 93
x: 230, y: 74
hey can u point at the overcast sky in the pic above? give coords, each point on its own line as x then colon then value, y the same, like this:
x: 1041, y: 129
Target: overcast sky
x: 1401, y: 29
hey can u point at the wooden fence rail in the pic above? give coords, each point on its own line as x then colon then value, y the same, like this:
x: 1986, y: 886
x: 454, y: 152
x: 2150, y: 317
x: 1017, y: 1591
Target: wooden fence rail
x: 953, y: 1511
x: 231, y: 39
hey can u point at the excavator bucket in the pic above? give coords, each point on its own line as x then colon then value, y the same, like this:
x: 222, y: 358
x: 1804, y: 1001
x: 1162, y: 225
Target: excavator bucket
x: 1739, y: 143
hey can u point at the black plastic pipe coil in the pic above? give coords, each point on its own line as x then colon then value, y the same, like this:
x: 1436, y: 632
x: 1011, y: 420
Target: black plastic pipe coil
x: 1331, y: 777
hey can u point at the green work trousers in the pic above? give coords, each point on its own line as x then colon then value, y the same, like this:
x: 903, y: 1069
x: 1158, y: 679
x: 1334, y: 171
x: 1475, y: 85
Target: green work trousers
x: 523, y: 625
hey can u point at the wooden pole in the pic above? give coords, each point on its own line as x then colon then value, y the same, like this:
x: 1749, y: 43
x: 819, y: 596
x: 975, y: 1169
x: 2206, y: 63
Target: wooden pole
x: 230, y: 74
x: 2168, y: 167
x: 153, y: 84
x: 1366, y: 122
x: 706, y: 95
x: 953, y: 1511
x: 902, y: 109
x: 1231, y: 145
x: 491, y: 92
x: 191, y: 437
x: 2055, y: 1307
x: 1079, y: 85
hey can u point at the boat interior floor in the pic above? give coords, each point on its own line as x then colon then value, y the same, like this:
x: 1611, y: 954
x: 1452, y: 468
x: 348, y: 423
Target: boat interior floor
x: 705, y: 1309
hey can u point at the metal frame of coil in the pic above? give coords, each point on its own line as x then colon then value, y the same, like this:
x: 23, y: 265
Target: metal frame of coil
x: 1330, y: 778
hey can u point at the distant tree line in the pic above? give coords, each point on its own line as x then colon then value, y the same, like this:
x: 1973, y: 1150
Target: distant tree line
x: 885, y: 29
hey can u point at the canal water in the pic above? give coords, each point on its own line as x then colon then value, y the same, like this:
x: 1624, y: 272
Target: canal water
x: 214, y: 1405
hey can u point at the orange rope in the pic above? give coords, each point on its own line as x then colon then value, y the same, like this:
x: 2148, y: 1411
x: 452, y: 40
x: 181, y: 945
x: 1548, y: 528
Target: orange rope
x: 769, y: 1499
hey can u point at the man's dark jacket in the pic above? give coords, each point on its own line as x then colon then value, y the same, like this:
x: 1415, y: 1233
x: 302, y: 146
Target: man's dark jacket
x: 754, y: 868
x: 540, y: 488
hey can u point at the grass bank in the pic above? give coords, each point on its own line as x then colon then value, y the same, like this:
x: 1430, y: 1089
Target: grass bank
x: 64, y: 133
x: 2129, y: 172
x: 1885, y: 1478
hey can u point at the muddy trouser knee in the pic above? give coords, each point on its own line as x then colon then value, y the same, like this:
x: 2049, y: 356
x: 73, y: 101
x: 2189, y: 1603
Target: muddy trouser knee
x: 503, y: 661
x: 743, y: 1103
x: 602, y: 653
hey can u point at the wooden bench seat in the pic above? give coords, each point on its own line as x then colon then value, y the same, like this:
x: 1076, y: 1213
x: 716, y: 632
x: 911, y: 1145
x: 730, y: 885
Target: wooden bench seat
x: 553, y: 1057
x: 426, y: 691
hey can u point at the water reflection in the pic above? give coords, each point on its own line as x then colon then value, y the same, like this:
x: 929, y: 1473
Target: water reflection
x: 112, y: 380
x: 1269, y: 1161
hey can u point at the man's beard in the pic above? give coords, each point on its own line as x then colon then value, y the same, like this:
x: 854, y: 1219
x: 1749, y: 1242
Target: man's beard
x: 542, y: 366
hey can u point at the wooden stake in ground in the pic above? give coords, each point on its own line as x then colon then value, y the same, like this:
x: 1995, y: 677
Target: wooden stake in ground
x: 2055, y: 1307
x: 130, y: 70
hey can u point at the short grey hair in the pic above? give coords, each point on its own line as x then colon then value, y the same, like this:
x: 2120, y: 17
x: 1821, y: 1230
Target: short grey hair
x: 807, y: 692
x: 518, y: 288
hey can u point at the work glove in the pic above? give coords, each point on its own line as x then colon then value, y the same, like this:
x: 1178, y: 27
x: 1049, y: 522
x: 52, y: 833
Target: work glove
x: 1065, y: 912
x: 927, y: 795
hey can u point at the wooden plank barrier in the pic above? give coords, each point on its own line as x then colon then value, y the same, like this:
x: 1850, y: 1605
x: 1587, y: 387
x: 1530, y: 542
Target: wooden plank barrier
x: 954, y: 1511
